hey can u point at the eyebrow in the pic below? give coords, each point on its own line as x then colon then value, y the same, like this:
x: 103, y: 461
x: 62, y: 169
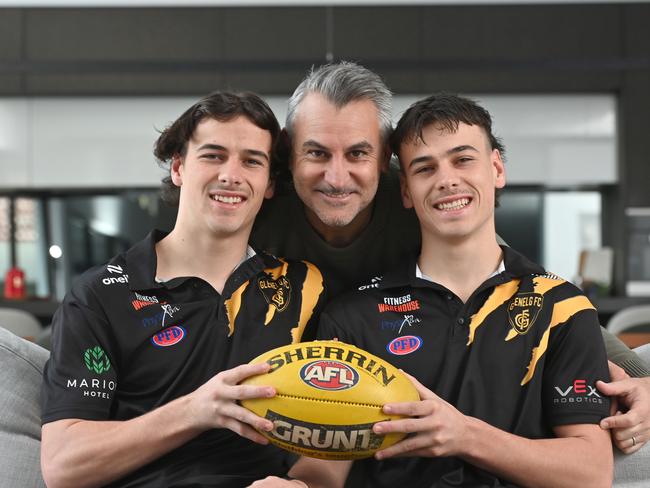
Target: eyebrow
x: 361, y: 145
x: 217, y: 147
x: 214, y: 147
x: 354, y: 147
x: 312, y: 143
x: 449, y: 152
x: 255, y: 152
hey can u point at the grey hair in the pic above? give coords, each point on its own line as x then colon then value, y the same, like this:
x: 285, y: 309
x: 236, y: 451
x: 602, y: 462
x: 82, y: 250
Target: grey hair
x: 342, y: 83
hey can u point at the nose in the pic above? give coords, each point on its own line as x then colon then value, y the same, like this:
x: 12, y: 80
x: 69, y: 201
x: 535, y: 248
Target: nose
x: 336, y: 172
x: 230, y: 172
x: 447, y: 177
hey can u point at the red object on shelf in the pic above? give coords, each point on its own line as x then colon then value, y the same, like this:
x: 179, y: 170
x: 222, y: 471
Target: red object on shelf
x: 15, y: 283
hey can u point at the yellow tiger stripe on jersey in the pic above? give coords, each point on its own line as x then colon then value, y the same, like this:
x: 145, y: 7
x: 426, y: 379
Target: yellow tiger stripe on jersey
x: 500, y: 294
x: 275, y: 273
x: 541, y: 285
x: 562, y: 311
x: 311, y: 291
x: 233, y: 304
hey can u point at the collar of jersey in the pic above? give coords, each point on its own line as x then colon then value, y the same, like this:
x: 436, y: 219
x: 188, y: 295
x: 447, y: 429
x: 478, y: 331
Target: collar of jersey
x: 516, y: 265
x: 141, y: 264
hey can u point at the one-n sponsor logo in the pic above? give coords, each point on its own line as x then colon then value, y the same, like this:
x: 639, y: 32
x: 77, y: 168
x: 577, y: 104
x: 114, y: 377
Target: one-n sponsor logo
x: 116, y: 269
x: 142, y: 301
x: 97, y: 362
x: 578, y: 392
x: 399, y: 304
x: 374, y: 283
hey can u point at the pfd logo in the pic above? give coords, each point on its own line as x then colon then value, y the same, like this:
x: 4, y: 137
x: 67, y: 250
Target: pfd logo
x: 523, y: 311
x: 276, y: 292
x: 400, y: 346
x: 169, y: 336
x: 329, y: 375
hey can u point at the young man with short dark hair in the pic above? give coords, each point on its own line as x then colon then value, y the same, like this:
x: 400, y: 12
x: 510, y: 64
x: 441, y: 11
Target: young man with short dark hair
x: 148, y: 350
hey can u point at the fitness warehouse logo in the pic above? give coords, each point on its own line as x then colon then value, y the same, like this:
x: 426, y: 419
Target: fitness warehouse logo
x: 97, y: 362
x: 399, y: 304
x: 577, y: 392
x: 142, y: 301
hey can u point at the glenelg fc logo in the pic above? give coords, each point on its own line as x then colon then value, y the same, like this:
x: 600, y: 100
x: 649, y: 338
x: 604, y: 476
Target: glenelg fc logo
x: 523, y: 311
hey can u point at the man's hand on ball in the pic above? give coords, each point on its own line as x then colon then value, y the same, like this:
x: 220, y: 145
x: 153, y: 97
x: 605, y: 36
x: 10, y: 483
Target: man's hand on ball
x: 214, y: 404
x: 436, y: 428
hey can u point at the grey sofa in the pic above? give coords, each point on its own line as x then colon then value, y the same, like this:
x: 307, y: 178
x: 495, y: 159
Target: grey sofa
x: 21, y: 370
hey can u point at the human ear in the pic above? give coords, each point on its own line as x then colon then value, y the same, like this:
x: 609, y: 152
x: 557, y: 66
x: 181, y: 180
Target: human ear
x: 499, y: 169
x: 176, y: 170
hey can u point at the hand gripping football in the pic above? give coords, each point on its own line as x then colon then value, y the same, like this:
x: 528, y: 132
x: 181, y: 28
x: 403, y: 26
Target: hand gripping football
x: 328, y: 396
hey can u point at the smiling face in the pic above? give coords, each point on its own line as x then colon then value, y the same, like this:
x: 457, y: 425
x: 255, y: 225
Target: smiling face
x: 337, y: 156
x: 450, y: 179
x: 223, y: 177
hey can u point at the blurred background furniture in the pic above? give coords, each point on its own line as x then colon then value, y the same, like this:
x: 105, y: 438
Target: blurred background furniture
x: 21, y: 323
x: 631, y: 325
x: 631, y: 318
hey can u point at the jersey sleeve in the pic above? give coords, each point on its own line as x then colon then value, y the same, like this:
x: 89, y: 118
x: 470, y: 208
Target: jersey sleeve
x: 576, y: 361
x: 80, y: 378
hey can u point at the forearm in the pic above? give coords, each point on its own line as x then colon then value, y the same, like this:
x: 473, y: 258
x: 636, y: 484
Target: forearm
x: 532, y: 463
x: 318, y: 473
x: 82, y: 453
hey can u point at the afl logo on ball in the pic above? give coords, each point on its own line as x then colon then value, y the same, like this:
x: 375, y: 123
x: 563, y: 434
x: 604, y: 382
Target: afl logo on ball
x: 169, y: 336
x: 404, y: 345
x: 329, y: 375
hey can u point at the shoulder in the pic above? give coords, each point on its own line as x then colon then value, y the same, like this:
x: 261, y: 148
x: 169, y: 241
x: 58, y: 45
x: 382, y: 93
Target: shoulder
x: 359, y: 297
x: 276, y: 266
x: 101, y: 280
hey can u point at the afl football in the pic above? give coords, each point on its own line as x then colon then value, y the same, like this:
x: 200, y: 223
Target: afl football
x: 328, y: 396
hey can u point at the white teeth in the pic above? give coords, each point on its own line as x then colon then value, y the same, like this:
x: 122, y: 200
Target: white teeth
x: 455, y: 205
x: 224, y: 199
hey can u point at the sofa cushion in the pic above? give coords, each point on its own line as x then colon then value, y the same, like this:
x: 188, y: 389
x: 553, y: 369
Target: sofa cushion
x: 20, y: 410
